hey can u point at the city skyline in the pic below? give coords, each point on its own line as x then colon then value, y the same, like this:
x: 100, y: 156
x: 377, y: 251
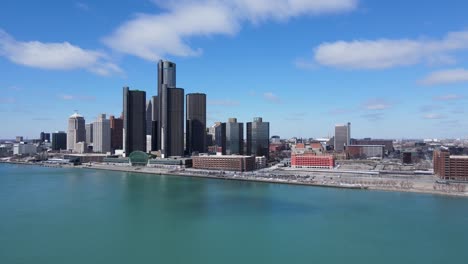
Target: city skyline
x: 390, y: 79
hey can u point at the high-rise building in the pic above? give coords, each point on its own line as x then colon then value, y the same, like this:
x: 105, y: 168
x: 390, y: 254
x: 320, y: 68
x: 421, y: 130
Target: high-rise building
x: 195, y: 128
x: 116, y: 127
x: 220, y: 137
x: 45, y: 137
x: 342, y: 136
x: 89, y: 133
x: 76, y: 130
x: 149, y: 117
x: 59, y: 140
x: 234, y: 137
x: 19, y: 138
x: 154, y: 123
x: 170, y: 113
x: 450, y: 167
x: 258, y: 138
x: 101, y: 134
x: 166, y: 78
x: 134, y: 113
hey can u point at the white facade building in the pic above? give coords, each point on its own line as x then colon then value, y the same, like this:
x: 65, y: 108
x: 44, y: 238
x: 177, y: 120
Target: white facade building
x: 24, y: 149
x: 101, y: 135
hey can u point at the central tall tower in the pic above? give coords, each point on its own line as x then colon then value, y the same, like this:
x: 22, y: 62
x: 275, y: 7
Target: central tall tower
x: 170, y: 114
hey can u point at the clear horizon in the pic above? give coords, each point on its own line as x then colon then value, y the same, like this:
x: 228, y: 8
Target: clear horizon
x: 303, y: 66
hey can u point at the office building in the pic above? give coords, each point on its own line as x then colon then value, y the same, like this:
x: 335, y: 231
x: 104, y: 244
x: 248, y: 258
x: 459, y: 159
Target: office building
x: 89, y: 133
x: 19, y: 138
x: 45, y: 137
x: 170, y: 113
x: 365, y: 151
x: 149, y: 117
x: 234, y: 137
x: 342, y: 136
x: 450, y: 167
x: 116, y: 128
x: 225, y: 163
x: 134, y: 124
x: 166, y: 78
x: 154, y: 123
x: 310, y: 160
x: 23, y: 148
x: 80, y: 147
x: 59, y: 140
x: 195, y: 135
x: 258, y: 138
x: 220, y: 137
x: 101, y: 135
x: 388, y: 143
x: 76, y: 130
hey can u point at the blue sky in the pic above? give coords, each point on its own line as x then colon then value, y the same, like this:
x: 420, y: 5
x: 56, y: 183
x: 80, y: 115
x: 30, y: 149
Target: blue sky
x: 394, y: 69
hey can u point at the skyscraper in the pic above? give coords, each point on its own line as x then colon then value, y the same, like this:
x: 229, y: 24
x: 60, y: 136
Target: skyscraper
x: 134, y: 113
x: 166, y: 79
x: 234, y: 137
x: 220, y: 137
x: 101, y: 134
x: 89, y: 133
x: 154, y: 123
x: 258, y: 137
x: 76, y: 131
x: 342, y: 136
x: 149, y: 117
x: 59, y: 140
x: 45, y: 137
x: 195, y: 128
x: 116, y: 127
x: 170, y: 121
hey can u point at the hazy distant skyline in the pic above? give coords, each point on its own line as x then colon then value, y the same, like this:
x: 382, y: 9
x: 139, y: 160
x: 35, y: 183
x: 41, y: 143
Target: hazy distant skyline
x: 394, y: 69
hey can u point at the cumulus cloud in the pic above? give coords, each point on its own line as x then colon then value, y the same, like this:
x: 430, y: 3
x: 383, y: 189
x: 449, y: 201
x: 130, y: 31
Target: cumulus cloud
x: 446, y: 77
x: 271, y: 97
x: 154, y: 36
x: 388, y: 53
x: 55, y: 56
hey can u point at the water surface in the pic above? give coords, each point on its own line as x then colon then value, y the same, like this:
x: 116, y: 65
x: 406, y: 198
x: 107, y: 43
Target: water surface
x: 50, y: 215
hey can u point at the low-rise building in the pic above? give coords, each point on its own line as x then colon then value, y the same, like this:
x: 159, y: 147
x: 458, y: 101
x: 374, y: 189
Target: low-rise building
x: 24, y: 149
x: 260, y: 162
x: 170, y: 163
x: 310, y: 160
x: 224, y: 162
x: 450, y: 167
x: 365, y: 151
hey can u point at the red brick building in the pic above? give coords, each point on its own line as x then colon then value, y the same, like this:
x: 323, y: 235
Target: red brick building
x: 310, y: 160
x: 224, y: 162
x: 450, y: 167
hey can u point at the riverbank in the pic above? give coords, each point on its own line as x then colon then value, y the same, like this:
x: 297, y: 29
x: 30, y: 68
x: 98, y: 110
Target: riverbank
x: 424, y: 184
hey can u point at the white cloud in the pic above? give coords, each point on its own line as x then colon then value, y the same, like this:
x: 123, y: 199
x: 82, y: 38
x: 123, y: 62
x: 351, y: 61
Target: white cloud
x: 82, y: 6
x: 446, y: 77
x: 388, y: 53
x: 433, y: 116
x: 154, y: 36
x: 272, y: 97
x: 69, y: 97
x: 376, y: 104
x: 54, y: 56
x: 448, y: 97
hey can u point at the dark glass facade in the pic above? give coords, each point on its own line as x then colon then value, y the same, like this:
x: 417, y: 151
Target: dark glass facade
x: 195, y: 135
x: 234, y: 137
x: 134, y: 113
x: 116, y: 126
x: 258, y: 138
x: 59, y: 141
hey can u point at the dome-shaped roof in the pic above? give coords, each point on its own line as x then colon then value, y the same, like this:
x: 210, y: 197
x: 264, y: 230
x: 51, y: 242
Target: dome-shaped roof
x: 75, y: 115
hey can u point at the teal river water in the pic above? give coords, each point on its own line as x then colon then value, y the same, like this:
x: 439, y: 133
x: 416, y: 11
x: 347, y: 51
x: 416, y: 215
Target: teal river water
x: 85, y: 216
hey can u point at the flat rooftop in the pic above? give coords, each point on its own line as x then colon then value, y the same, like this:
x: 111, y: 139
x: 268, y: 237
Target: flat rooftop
x: 459, y: 157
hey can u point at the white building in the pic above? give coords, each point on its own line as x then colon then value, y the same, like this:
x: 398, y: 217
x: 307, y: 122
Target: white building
x: 76, y: 131
x: 260, y: 162
x: 24, y: 149
x: 101, y: 134
x: 342, y: 136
